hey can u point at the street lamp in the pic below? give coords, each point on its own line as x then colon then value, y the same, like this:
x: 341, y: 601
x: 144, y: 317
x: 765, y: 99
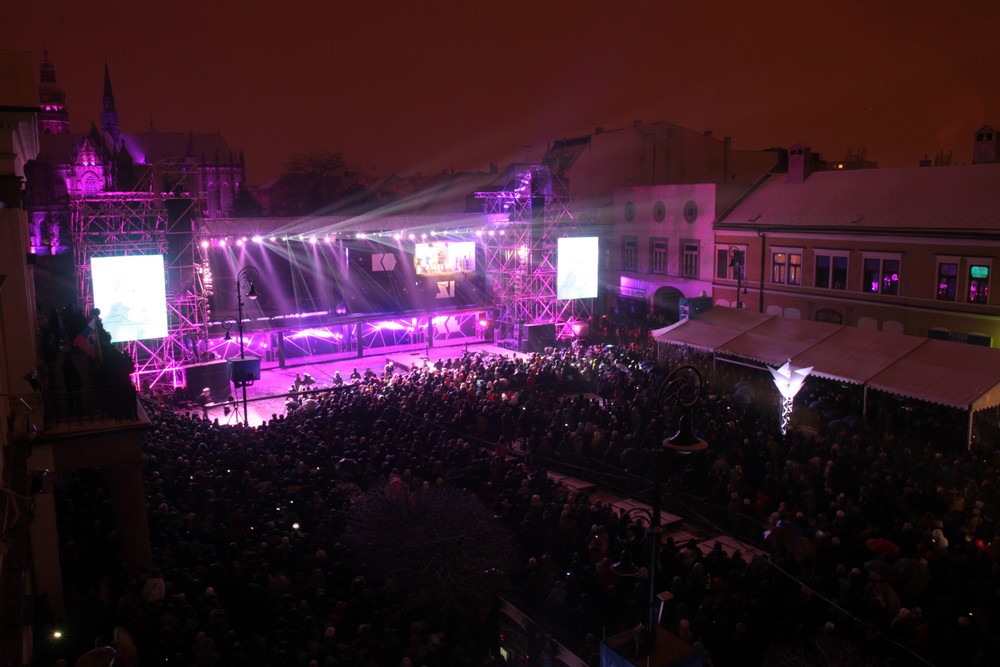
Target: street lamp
x: 245, y: 279
x: 737, y: 262
x: 682, y: 387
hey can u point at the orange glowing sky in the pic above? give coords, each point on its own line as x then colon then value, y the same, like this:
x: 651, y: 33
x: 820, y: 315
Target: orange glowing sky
x: 425, y: 86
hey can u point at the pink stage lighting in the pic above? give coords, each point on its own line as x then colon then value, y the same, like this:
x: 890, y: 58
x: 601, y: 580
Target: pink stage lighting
x: 239, y: 242
x: 258, y: 239
x: 222, y: 243
x: 205, y: 244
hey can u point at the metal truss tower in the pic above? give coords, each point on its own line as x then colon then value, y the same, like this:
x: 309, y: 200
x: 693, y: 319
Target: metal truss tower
x: 525, y: 218
x: 143, y: 223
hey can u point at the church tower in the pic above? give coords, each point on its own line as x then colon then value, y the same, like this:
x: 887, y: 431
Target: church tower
x: 109, y: 116
x: 53, y: 118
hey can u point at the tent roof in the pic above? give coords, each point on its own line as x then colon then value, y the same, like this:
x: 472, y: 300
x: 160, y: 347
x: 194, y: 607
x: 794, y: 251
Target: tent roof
x: 778, y: 339
x: 856, y: 355
x: 710, y: 329
x: 957, y: 375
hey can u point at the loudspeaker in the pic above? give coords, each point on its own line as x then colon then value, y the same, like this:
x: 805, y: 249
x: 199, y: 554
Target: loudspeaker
x: 243, y: 370
x: 211, y: 374
x: 539, y: 337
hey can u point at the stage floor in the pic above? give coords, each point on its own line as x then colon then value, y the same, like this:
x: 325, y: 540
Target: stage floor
x: 267, y: 396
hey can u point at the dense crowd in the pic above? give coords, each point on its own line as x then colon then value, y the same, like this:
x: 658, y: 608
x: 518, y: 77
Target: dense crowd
x: 248, y: 524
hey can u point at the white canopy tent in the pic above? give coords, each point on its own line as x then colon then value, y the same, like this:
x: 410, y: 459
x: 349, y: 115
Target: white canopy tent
x: 956, y: 375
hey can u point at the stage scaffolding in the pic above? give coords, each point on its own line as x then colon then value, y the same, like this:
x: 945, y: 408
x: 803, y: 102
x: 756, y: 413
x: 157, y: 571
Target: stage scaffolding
x: 147, y: 222
x: 525, y: 218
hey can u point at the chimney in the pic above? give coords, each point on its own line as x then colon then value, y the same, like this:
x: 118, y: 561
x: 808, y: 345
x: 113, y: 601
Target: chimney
x: 798, y: 163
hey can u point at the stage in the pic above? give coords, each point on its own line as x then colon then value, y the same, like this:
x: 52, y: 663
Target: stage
x: 266, y: 397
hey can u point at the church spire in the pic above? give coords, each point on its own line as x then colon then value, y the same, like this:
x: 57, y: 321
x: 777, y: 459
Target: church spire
x: 109, y: 116
x: 53, y: 118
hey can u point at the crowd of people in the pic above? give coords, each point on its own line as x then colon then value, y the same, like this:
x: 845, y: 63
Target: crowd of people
x: 882, y: 539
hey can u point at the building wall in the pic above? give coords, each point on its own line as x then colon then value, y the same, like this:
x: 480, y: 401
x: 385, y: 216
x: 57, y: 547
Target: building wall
x: 915, y: 309
x: 661, y: 237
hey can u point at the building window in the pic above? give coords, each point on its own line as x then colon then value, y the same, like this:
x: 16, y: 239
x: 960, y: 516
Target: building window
x: 831, y: 270
x: 881, y: 276
x: 630, y: 253
x: 689, y: 259
x: 91, y: 186
x: 979, y: 283
x: 786, y: 267
x: 947, y: 281
x: 658, y: 255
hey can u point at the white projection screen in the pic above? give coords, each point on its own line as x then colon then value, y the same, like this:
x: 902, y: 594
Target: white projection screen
x: 576, y: 267
x: 131, y: 293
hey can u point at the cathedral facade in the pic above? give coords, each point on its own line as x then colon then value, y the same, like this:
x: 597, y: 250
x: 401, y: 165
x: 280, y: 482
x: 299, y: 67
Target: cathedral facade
x: 107, y: 162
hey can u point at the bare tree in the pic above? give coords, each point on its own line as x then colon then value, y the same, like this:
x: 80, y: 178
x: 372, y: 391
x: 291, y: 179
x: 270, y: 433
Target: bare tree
x: 316, y: 183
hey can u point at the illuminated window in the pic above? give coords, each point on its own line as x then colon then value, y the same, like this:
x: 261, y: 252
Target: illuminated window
x: 947, y: 281
x: 689, y: 259
x: 91, y: 186
x: 630, y: 253
x: 786, y: 267
x: 831, y: 270
x: 979, y: 283
x: 729, y: 261
x: 880, y: 275
x: 658, y: 255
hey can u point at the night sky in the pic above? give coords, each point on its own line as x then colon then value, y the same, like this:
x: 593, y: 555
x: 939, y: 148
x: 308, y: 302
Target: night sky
x: 456, y: 84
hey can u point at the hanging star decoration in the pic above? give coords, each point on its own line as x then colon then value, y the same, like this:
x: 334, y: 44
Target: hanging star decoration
x: 789, y: 379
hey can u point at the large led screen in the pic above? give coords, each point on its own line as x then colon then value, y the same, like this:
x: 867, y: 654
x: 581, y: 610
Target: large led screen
x: 131, y: 293
x: 444, y: 257
x: 576, y: 267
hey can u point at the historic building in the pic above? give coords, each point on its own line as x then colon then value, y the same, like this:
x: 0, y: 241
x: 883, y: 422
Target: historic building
x: 908, y: 250
x: 653, y: 191
x: 104, y: 160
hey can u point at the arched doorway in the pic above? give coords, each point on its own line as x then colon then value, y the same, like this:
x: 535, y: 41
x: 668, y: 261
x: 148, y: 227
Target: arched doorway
x: 666, y: 305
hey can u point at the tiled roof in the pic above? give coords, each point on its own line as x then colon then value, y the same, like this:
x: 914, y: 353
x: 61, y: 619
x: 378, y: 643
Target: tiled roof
x: 956, y: 198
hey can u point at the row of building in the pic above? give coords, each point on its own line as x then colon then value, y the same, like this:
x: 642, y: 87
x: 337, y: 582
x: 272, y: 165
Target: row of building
x: 681, y: 214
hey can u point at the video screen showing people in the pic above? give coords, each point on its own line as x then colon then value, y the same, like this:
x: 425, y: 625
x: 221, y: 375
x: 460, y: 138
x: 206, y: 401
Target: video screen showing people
x: 444, y: 257
x: 131, y: 293
x: 576, y: 268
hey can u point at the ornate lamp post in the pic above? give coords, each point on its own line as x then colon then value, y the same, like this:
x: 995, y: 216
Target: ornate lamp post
x: 682, y: 387
x: 245, y: 279
x: 737, y: 262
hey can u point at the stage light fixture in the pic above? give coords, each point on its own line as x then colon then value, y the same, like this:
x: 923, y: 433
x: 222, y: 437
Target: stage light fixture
x: 258, y: 239
x: 398, y: 236
x: 479, y: 232
x: 205, y: 243
x: 413, y: 236
x: 222, y: 243
x: 312, y: 239
x: 239, y: 242
x: 423, y: 237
